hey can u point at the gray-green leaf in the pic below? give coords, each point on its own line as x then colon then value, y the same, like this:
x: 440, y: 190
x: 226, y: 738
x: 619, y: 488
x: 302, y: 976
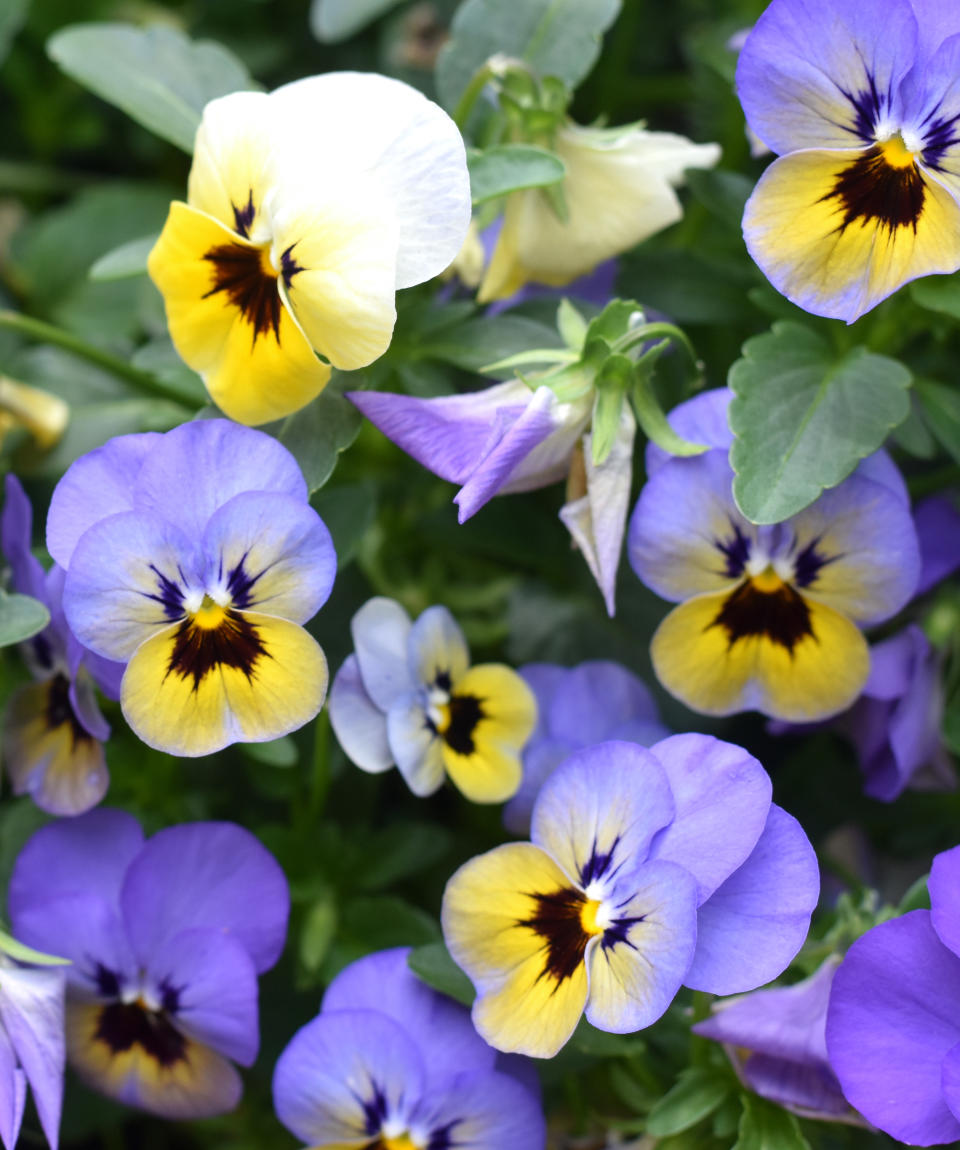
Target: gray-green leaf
x: 696, y: 1094
x: 555, y: 37
x: 129, y: 259
x: 941, y: 410
x: 510, y: 168
x: 804, y: 417
x: 317, y: 434
x: 21, y: 617
x: 765, y: 1126
x: 334, y: 20
x: 433, y: 965
x: 158, y: 76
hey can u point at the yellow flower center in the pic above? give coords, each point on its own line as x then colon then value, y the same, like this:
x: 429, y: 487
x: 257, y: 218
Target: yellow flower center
x: 768, y: 581
x: 209, y: 615
x: 896, y: 153
x: 440, y: 715
x: 588, y: 916
x: 401, y: 1142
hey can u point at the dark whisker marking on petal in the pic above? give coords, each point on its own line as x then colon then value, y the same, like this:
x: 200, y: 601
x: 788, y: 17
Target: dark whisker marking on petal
x: 170, y: 595
x: 809, y: 562
x: 243, y: 217
x: 240, y: 583
x: 780, y: 615
x: 197, y: 651
x: 597, y: 864
x: 871, y: 189
x: 289, y: 266
x: 238, y: 272
x: 60, y: 710
x: 557, y: 920
x: 466, y: 711
x: 123, y: 1025
x: 618, y: 931
x: 736, y: 551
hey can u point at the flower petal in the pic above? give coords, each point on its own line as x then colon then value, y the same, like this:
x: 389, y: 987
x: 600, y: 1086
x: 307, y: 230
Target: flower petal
x: 599, y: 811
x: 265, y: 679
x: 541, y: 757
x: 938, y: 531
x: 753, y: 925
x: 16, y: 536
x: 437, y: 649
x: 381, y: 635
x: 415, y: 745
x: 31, y: 1007
x: 13, y: 1095
x: 945, y: 898
x: 392, y: 134
x: 722, y: 795
x: 894, y: 1015
x: 360, y: 726
x: 702, y: 419
x: 483, y: 1109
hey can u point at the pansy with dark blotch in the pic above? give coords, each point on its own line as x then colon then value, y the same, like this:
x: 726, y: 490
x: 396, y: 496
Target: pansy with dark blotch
x: 194, y: 557
x: 167, y: 937
x: 408, y: 695
x: 776, y: 1041
x: 389, y: 1064
x: 576, y: 707
x: 893, y: 1023
x: 648, y: 870
x: 769, y: 617
x: 53, y: 731
x: 861, y: 103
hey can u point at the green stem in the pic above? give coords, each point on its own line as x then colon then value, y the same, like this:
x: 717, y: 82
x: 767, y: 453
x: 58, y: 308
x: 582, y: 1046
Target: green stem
x: 46, y: 333
x: 471, y: 94
x: 647, y: 331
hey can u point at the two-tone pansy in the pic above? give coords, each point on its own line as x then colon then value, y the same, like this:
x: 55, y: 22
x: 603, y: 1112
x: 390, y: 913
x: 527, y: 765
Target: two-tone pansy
x: 647, y: 870
x: 861, y: 104
x: 769, y: 617
x: 576, y: 707
x: 167, y: 937
x: 408, y: 695
x: 53, y: 731
x: 306, y: 210
x: 389, y: 1064
x: 194, y: 557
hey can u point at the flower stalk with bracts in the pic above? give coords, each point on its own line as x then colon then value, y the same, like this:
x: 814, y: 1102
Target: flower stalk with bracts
x: 167, y: 937
x: 195, y: 558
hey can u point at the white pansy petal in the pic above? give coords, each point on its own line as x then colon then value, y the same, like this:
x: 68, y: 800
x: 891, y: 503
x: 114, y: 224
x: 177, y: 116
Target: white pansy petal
x: 380, y: 630
x: 337, y: 255
x: 415, y: 745
x: 373, y: 124
x: 437, y: 648
x: 360, y: 727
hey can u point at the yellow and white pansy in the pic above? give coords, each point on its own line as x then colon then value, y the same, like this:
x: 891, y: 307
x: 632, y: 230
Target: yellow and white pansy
x: 307, y: 209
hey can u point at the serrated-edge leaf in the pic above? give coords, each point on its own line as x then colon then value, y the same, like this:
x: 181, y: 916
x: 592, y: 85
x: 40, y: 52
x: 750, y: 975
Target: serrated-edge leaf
x: 21, y: 617
x: 129, y: 259
x: 509, y: 168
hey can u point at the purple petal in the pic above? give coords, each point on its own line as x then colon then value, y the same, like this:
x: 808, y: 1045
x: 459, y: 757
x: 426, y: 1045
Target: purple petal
x: 540, y: 760
x: 485, y: 1111
x: 880, y: 468
x: 214, y: 875
x: 938, y: 529
x: 106, y: 673
x: 595, y: 697
x: 438, y: 1025
x: 381, y: 633
x: 544, y: 680
x: 598, y: 813
x: 13, y: 1094
x: 83, y: 703
x: 944, y: 886
x: 215, y: 986
x: 810, y: 1090
x: 344, y: 1072
x: 200, y: 466
x: 894, y: 1015
x: 360, y: 726
x: 16, y: 533
x: 702, y: 419
x: 950, y: 1080
x: 94, y: 486
x: 753, y: 925
x: 88, y: 855
x: 31, y: 1008
x: 722, y: 796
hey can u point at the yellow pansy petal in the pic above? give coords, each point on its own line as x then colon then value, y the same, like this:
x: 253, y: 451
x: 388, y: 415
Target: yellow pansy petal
x: 492, y: 713
x: 794, y: 659
x: 228, y: 321
x: 343, y: 243
x: 232, y: 169
x: 192, y: 690
x: 511, y: 920
x: 837, y: 231
x: 172, y: 1075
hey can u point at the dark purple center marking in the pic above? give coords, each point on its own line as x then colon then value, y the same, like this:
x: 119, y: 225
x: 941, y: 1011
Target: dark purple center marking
x: 243, y: 217
x: 736, y: 551
x: 197, y: 651
x: 871, y: 190
x: 60, y: 712
x: 466, y: 711
x: 780, y: 615
x: 238, y: 273
x: 121, y: 1026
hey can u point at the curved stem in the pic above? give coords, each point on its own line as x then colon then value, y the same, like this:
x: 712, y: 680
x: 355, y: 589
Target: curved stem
x: 471, y: 94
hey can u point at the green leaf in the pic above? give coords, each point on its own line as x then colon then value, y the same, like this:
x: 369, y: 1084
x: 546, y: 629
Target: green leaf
x: 941, y: 410
x: 334, y: 20
x: 158, y: 76
x: 765, y: 1126
x: 317, y: 434
x: 725, y: 194
x: 938, y: 293
x: 653, y: 422
x: 20, y: 618
x: 804, y: 417
x: 433, y: 965
x: 555, y: 37
x: 401, y: 851
x: 129, y: 259
x: 318, y: 932
x: 571, y: 325
x: 613, y: 382
x: 280, y: 752
x: 601, y: 1044
x: 482, y: 341
x: 384, y: 920
x: 696, y: 1094
x: 13, y: 13
x: 347, y: 509
x: 510, y: 168
x: 23, y: 953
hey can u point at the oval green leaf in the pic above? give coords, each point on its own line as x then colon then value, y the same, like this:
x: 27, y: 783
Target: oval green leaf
x: 21, y: 617
x: 511, y: 168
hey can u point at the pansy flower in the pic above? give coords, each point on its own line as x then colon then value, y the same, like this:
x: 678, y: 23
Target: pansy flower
x: 576, y: 707
x: 166, y: 937
x: 860, y: 101
x: 938, y: 530
x: 408, y: 695
x: 647, y: 870
x: 893, y: 1023
x: 194, y: 557
x: 306, y: 210
x: 389, y: 1064
x: 769, y: 617
x: 776, y: 1041
x: 53, y: 731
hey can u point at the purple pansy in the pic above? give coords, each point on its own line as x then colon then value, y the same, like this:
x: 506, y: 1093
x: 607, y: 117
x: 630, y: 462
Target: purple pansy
x: 194, y: 557
x: 166, y: 936
x: 577, y: 706
x: 893, y: 1024
x: 390, y: 1063
x: 647, y: 870
x: 776, y: 1041
x: 53, y: 729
